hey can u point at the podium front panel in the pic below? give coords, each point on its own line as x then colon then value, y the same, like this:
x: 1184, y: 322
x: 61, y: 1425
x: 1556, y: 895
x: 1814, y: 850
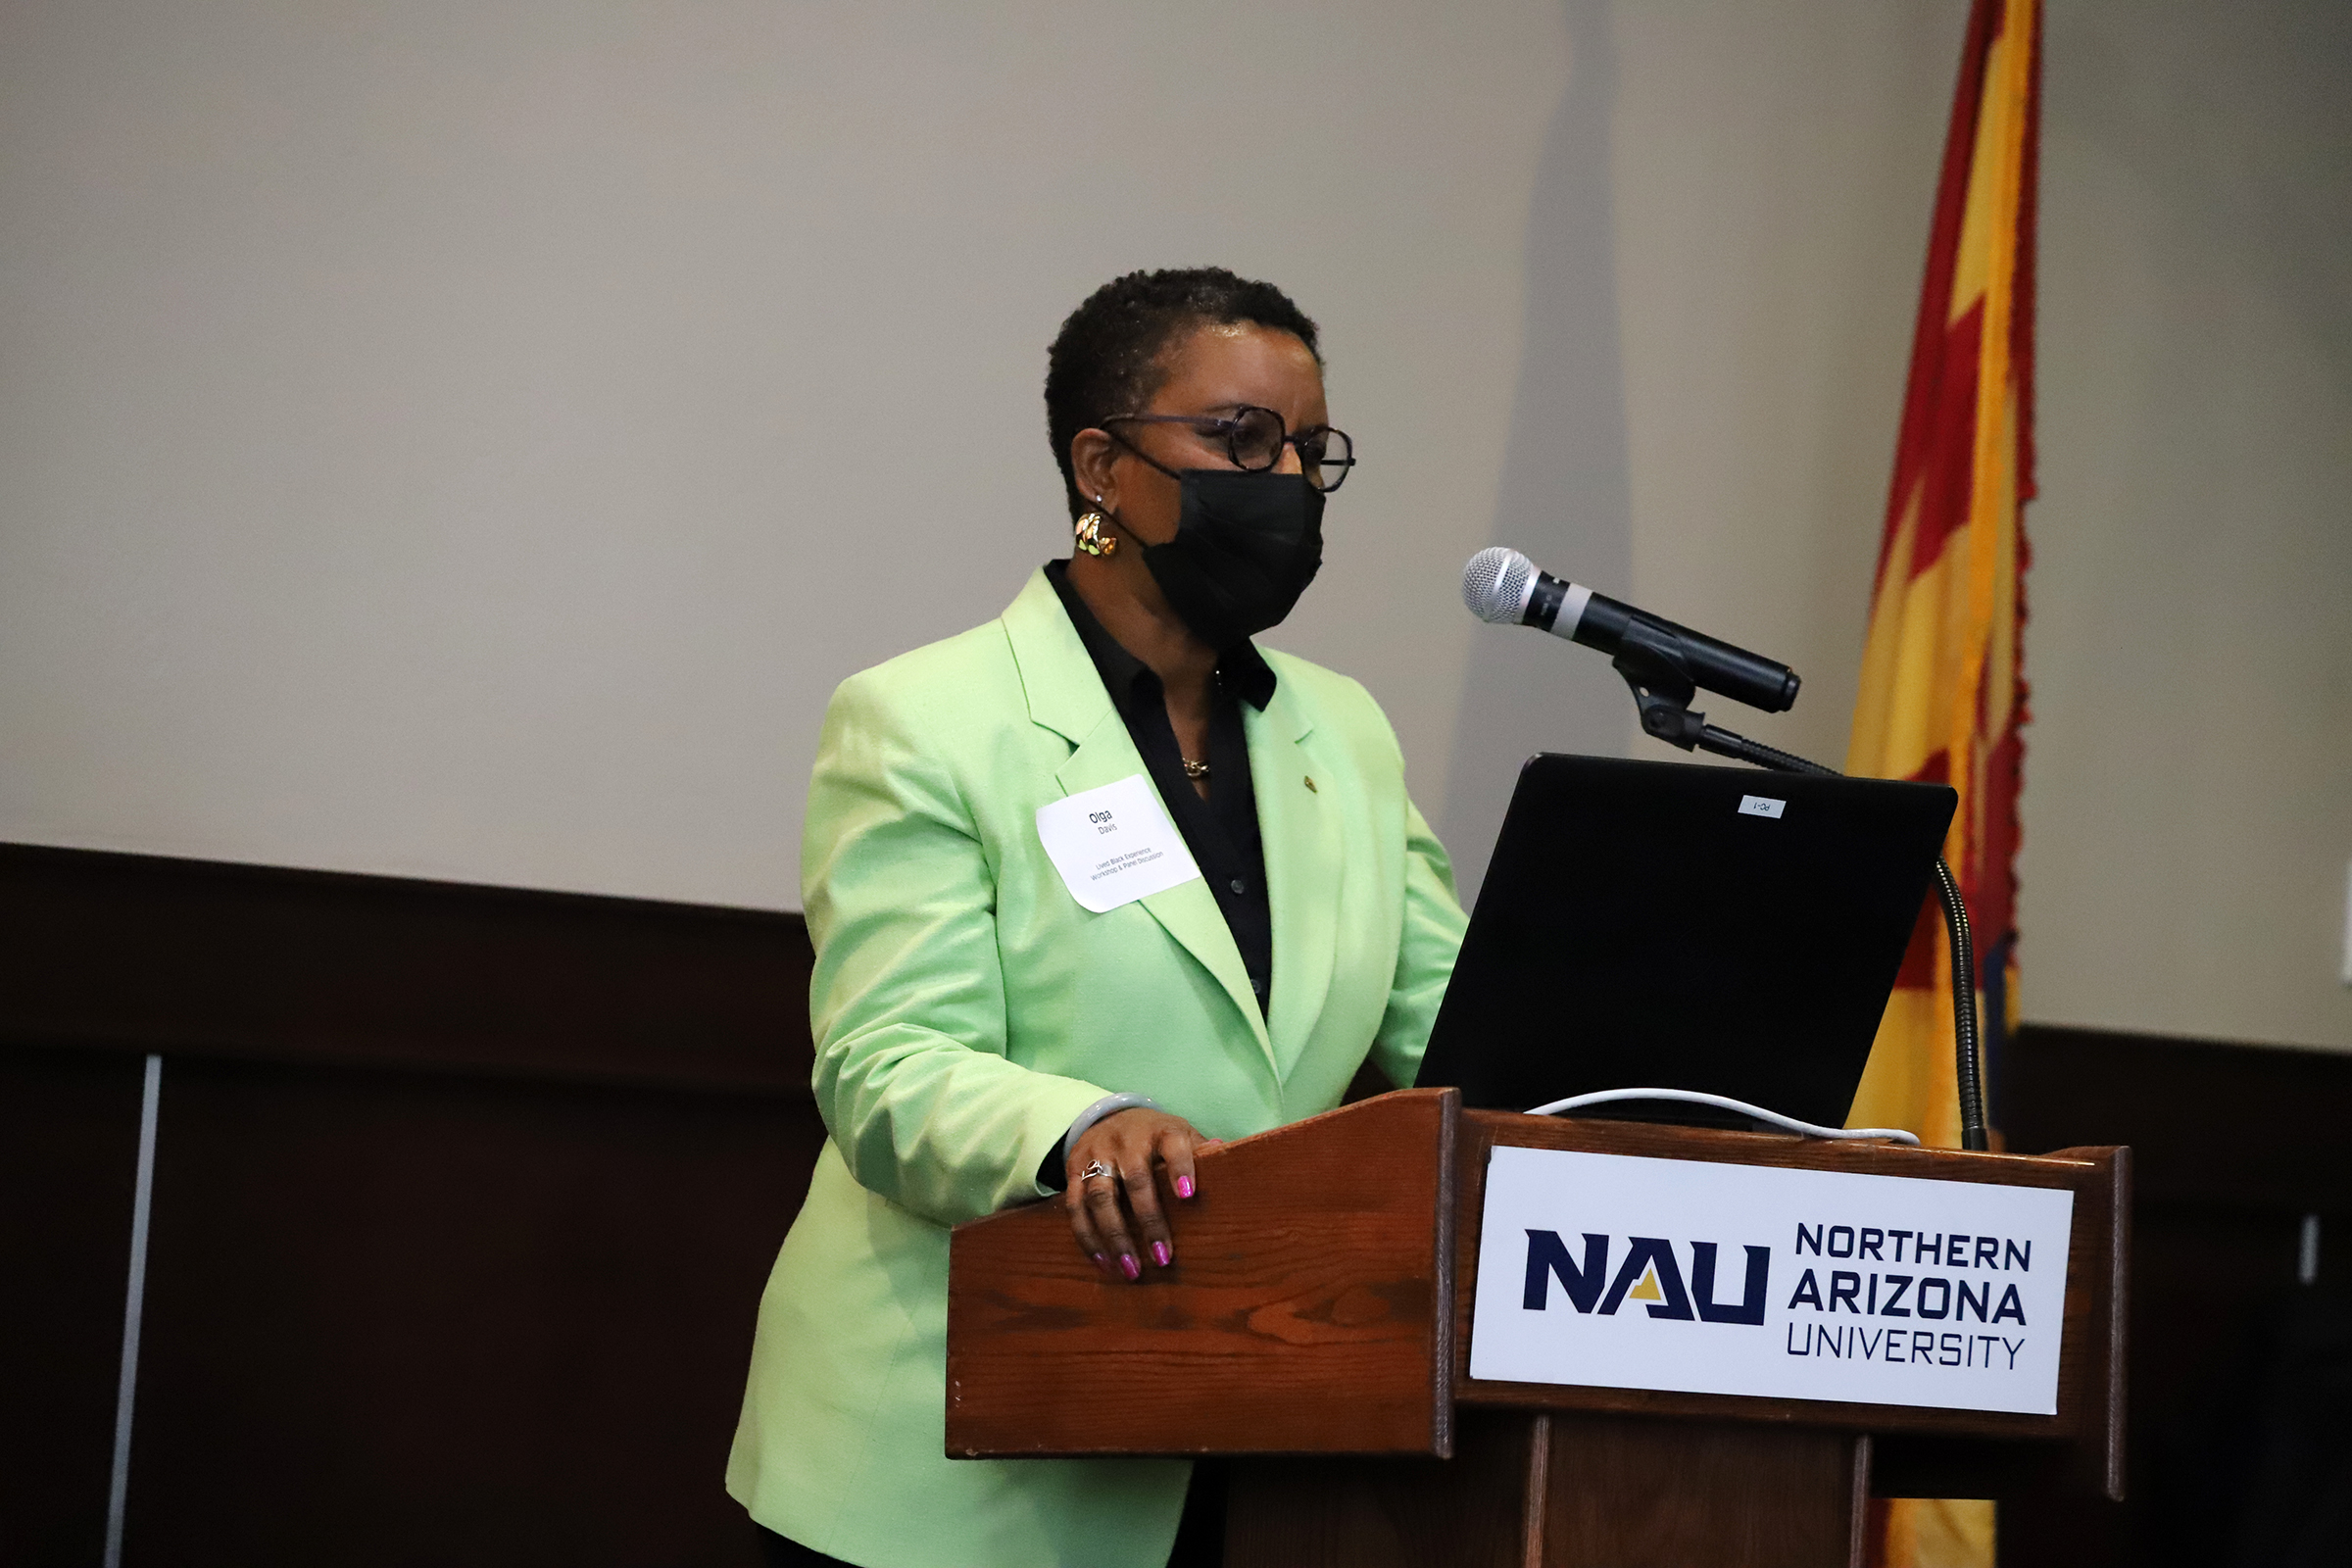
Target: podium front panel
x: 1322, y: 1304
x: 1308, y: 1310
x: 2083, y: 1432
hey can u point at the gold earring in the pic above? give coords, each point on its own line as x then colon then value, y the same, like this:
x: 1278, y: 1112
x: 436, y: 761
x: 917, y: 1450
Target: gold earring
x: 1090, y: 537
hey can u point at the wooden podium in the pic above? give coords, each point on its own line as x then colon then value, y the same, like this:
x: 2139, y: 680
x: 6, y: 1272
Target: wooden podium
x: 1317, y: 1326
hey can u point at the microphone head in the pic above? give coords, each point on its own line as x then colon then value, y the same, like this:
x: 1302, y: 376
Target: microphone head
x: 1496, y: 583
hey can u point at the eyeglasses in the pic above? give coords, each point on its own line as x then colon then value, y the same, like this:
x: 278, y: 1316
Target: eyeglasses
x: 1254, y: 439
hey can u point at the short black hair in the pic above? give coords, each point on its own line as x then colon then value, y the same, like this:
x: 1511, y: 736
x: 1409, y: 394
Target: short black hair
x: 1106, y: 359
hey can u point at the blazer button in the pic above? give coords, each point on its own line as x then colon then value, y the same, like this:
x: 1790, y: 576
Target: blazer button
x: 1239, y: 886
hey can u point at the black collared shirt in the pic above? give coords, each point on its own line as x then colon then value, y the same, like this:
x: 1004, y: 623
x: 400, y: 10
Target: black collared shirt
x: 1222, y: 830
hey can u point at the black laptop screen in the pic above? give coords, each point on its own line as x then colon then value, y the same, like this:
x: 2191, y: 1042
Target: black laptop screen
x: 1672, y: 925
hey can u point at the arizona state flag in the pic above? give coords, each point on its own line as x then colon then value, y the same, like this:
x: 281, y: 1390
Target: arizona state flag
x: 1941, y: 696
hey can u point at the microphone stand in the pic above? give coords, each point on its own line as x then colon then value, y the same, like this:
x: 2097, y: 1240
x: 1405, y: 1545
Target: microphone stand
x: 1662, y: 691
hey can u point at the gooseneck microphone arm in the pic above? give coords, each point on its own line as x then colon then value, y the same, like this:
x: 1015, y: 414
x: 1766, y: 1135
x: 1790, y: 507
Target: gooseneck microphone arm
x: 1662, y: 691
x: 1665, y: 664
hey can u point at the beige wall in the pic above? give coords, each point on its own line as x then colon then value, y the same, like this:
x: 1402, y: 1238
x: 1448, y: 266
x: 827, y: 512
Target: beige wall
x: 1773, y: 187
x: 2189, y: 776
x: 470, y: 441
x: 2189, y: 803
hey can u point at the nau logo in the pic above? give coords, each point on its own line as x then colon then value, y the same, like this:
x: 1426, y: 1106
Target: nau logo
x: 1650, y: 1273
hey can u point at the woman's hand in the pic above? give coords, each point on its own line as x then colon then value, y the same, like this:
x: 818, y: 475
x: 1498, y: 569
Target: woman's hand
x: 1117, y: 1213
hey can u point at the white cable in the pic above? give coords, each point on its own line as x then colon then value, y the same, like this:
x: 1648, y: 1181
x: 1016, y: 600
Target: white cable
x: 1723, y: 1102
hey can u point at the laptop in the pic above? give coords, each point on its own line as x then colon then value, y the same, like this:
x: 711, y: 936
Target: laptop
x: 1672, y: 925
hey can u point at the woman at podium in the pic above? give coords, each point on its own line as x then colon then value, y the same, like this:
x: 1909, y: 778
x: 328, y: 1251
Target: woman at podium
x: 1090, y: 886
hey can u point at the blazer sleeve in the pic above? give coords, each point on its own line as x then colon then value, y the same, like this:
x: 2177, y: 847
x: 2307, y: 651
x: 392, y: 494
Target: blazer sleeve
x: 1425, y: 952
x: 906, y: 1000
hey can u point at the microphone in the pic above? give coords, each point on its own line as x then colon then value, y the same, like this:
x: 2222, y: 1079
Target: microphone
x: 1505, y: 588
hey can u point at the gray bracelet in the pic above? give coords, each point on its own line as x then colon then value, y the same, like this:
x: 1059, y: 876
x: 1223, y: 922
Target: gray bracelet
x: 1109, y: 1104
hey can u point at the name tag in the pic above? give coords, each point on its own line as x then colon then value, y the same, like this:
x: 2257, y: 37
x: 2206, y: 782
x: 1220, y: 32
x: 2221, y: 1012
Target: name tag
x: 1115, y: 845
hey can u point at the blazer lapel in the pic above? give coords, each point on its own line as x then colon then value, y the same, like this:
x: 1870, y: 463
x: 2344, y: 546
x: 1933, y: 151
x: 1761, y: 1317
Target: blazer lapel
x: 1067, y: 696
x: 1305, y: 870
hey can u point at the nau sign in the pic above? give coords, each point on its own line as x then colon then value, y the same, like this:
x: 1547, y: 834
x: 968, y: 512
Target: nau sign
x: 1625, y: 1272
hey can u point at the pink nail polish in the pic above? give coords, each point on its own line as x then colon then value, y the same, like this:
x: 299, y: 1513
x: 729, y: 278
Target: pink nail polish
x: 1102, y: 1263
x: 1184, y: 1187
x: 1130, y: 1267
x: 1160, y: 1254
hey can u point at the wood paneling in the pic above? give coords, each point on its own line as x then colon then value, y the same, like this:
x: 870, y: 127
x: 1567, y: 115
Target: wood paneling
x: 143, y: 952
x: 2231, y: 1144
x: 466, y: 1194
x: 1480, y: 1509
x: 69, y: 1150
x: 2252, y: 1128
x: 1305, y: 1312
x: 495, y: 1321
x: 1625, y: 1492
x: 464, y: 1202
x: 1528, y: 1490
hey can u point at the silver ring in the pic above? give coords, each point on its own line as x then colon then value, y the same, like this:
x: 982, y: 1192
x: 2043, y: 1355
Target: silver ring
x: 1098, y: 1169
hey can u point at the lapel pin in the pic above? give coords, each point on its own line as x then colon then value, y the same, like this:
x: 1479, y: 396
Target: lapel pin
x: 1310, y: 783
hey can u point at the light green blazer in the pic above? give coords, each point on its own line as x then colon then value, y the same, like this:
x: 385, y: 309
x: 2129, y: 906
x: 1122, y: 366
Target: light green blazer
x: 966, y: 1009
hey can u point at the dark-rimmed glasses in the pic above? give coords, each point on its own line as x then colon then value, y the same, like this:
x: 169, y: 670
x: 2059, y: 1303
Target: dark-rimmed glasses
x: 1254, y: 439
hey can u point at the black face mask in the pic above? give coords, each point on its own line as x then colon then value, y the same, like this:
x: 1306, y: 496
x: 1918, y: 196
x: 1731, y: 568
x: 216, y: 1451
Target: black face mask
x: 1247, y: 545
